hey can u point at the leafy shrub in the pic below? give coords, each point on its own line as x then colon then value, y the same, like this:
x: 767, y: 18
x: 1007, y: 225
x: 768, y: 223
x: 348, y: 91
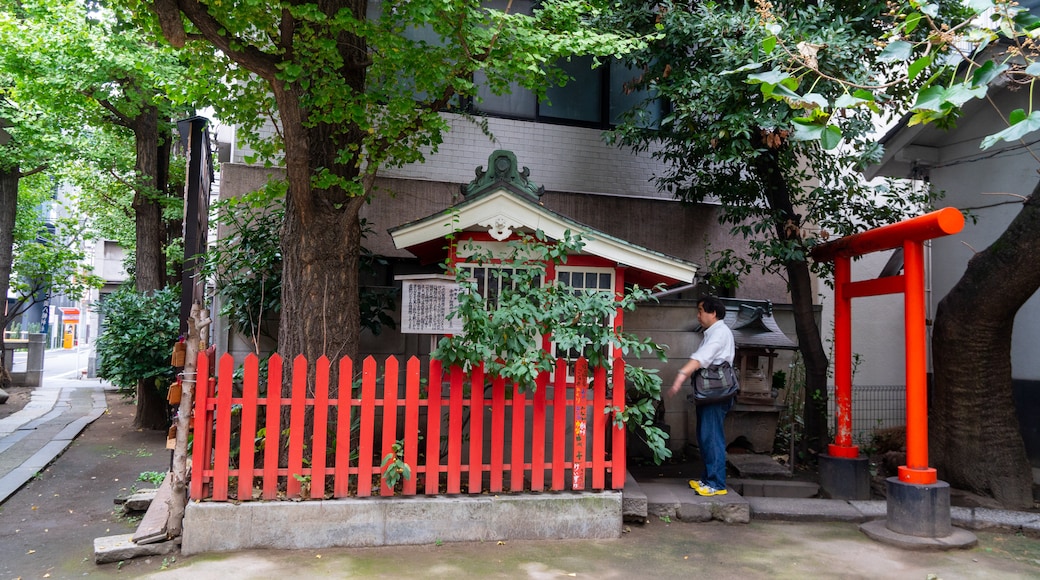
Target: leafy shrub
x: 138, y: 337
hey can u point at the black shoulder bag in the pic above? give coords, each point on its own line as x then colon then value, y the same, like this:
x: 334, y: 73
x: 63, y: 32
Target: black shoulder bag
x: 714, y: 384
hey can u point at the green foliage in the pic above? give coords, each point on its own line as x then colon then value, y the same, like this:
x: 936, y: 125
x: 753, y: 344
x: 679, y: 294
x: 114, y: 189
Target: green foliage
x: 394, y: 468
x: 506, y: 336
x: 940, y: 55
x: 139, y: 333
x: 153, y: 477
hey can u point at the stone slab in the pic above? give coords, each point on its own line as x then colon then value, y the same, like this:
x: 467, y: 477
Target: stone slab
x: 774, y: 488
x: 804, y: 510
x: 364, y: 522
x: 633, y: 501
x: 120, y: 548
x: 756, y: 465
x: 958, y: 539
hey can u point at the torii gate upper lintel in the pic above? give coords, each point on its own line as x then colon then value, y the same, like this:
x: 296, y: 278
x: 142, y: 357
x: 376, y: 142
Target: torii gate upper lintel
x: 910, y: 235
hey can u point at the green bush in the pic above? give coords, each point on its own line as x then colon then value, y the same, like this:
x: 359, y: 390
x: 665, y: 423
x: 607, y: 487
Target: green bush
x: 138, y: 337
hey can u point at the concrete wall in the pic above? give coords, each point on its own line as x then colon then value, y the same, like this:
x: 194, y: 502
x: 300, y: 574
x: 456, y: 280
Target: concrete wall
x: 362, y: 522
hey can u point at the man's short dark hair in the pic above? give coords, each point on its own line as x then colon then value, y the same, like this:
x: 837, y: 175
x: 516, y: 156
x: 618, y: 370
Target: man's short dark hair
x: 713, y: 304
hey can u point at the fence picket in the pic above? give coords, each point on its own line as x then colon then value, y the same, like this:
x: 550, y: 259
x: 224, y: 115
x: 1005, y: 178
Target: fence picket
x: 516, y: 453
x: 559, y: 426
x: 341, y: 483
x: 476, y: 431
x: 538, y: 433
x: 200, y: 452
x: 272, y: 426
x: 222, y: 419
x: 581, y: 381
x: 599, y: 452
x: 297, y: 418
x: 411, y: 424
x: 319, y: 434
x: 368, y: 411
x: 390, y: 372
x: 617, y: 447
x: 433, y: 429
x: 455, y: 431
x: 247, y: 436
x: 498, y: 412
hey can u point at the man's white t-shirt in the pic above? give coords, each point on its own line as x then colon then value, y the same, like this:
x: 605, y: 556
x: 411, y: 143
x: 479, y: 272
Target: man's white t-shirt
x: 716, y: 347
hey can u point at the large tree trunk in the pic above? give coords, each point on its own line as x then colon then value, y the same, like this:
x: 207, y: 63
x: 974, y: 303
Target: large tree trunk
x: 976, y: 443
x: 321, y: 241
x: 8, y: 211
x: 799, y: 281
x: 150, y: 264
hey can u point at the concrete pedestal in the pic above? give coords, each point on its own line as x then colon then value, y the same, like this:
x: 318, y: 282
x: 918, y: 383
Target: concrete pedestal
x: 919, y: 518
x: 844, y: 478
x: 919, y: 510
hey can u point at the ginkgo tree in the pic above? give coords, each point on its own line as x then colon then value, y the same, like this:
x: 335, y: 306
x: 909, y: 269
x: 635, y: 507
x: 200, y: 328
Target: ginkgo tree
x: 355, y: 87
x: 945, y: 55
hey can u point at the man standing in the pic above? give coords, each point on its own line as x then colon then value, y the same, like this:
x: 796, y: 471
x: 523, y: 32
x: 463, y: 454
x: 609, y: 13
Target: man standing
x: 717, y: 347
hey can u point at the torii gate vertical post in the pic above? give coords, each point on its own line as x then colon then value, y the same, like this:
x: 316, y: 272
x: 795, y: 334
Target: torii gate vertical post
x: 918, y: 504
x: 910, y: 235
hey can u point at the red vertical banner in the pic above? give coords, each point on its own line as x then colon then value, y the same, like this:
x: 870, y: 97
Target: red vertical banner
x: 455, y: 431
x: 476, y: 430
x: 559, y: 436
x: 599, y: 422
x: 519, y: 441
x: 319, y: 438
x: 222, y: 447
x: 578, y: 463
x: 200, y: 453
x: 498, y: 432
x: 272, y: 426
x: 247, y: 435
x: 538, y: 433
x: 297, y: 416
x: 390, y: 374
x: 433, y: 429
x: 341, y: 484
x: 617, y: 445
x: 366, y: 445
x: 411, y: 423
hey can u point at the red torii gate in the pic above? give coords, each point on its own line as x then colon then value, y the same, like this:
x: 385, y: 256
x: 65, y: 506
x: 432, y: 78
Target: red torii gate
x: 910, y: 235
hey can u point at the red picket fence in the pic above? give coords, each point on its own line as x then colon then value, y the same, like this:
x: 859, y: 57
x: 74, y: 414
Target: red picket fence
x: 494, y: 439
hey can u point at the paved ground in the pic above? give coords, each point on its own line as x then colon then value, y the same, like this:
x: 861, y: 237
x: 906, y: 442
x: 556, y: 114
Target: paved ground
x: 48, y: 526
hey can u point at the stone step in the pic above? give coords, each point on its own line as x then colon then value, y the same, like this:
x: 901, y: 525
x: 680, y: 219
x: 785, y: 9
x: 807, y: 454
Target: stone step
x: 633, y: 501
x: 774, y: 488
x: 673, y: 499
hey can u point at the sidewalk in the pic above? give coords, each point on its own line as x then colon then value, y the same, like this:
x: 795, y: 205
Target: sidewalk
x: 33, y: 437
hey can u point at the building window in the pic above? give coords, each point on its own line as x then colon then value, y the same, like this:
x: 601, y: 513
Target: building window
x: 584, y: 279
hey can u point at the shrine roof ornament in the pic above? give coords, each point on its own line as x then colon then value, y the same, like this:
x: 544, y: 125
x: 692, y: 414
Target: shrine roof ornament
x: 502, y: 203
x: 502, y: 172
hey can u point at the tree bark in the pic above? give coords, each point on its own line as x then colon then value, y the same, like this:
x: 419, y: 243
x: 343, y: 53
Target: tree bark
x: 8, y: 212
x: 150, y: 266
x: 150, y: 263
x: 799, y: 281
x: 975, y: 441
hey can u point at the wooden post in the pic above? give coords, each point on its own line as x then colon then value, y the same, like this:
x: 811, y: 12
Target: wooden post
x: 198, y: 334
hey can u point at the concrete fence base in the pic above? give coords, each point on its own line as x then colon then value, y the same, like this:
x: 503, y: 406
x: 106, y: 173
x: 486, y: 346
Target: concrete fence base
x: 360, y: 522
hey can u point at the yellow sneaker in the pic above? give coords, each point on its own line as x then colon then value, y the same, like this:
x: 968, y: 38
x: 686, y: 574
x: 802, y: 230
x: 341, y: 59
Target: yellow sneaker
x: 706, y: 490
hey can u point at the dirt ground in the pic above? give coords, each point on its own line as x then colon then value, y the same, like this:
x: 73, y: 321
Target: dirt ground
x: 18, y: 398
